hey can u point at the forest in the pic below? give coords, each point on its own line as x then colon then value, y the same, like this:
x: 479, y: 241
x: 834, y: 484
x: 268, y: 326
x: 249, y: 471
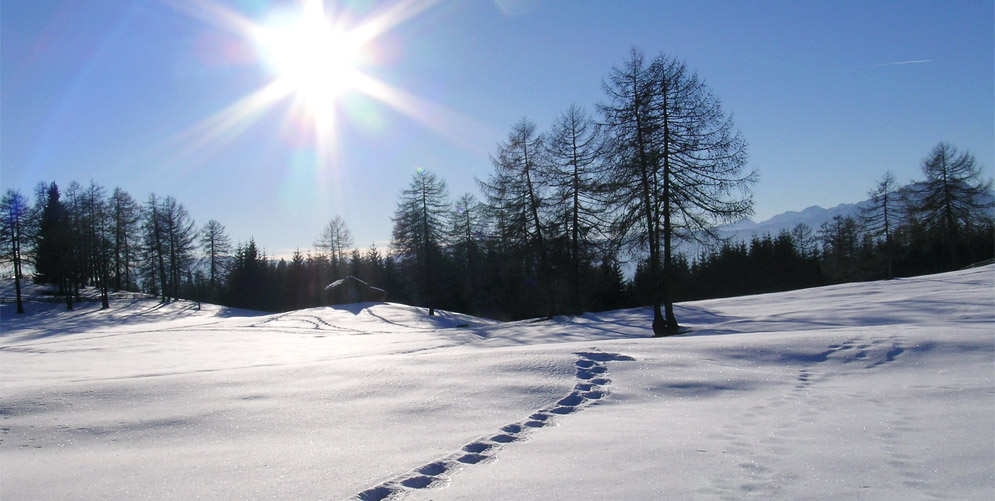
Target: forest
x: 596, y: 213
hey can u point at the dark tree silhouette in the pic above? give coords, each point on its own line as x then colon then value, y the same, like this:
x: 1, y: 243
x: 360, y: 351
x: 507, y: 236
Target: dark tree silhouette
x: 516, y: 197
x: 881, y: 217
x: 420, y: 230
x: 15, y: 213
x: 336, y: 243
x: 952, y: 198
x: 97, y: 233
x: 53, y: 245
x: 676, y: 165
x: 574, y: 149
x: 126, y: 215
x: 217, y: 254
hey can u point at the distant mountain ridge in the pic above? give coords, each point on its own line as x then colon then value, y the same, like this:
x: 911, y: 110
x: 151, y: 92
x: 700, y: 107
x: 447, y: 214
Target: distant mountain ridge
x: 813, y: 216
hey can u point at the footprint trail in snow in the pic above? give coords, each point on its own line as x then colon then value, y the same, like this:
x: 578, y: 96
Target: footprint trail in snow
x: 592, y: 386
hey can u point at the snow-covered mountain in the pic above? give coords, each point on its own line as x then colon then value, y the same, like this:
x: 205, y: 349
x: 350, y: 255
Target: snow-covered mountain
x: 813, y: 216
x: 857, y: 391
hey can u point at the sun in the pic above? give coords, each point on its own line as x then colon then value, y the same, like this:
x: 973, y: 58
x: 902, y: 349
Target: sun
x: 319, y: 61
x: 309, y: 56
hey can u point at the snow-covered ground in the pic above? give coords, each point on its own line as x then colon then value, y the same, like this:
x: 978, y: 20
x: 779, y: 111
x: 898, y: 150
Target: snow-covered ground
x: 874, y: 390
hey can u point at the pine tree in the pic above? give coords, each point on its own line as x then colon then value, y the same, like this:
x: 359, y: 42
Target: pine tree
x: 53, y: 245
x: 247, y: 281
x: 467, y: 227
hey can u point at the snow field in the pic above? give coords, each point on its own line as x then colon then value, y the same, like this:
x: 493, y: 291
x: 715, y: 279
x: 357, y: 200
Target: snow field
x: 860, y: 391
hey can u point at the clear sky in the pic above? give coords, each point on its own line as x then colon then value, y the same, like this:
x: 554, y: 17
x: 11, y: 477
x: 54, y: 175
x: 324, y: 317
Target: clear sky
x: 178, y: 97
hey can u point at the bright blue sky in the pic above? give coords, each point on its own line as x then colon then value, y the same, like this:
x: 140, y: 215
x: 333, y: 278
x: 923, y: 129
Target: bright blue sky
x: 114, y: 90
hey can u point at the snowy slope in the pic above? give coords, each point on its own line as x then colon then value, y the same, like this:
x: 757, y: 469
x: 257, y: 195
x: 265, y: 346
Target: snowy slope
x: 882, y: 389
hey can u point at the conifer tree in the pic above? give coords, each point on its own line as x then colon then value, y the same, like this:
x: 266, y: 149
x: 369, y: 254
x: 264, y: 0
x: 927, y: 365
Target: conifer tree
x: 53, y: 245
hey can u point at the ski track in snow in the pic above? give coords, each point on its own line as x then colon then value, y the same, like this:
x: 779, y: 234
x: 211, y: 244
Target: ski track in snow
x: 591, y: 387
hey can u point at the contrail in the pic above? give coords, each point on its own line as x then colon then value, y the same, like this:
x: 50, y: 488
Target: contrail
x: 917, y: 61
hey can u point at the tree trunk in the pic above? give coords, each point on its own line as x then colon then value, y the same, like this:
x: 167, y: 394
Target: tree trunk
x: 16, y: 241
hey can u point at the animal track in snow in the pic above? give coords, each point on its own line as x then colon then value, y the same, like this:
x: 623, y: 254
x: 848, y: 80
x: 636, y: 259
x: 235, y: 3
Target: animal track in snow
x: 799, y: 412
x: 591, y: 387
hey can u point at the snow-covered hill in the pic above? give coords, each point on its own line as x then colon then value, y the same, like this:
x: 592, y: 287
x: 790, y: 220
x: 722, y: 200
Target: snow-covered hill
x: 860, y: 391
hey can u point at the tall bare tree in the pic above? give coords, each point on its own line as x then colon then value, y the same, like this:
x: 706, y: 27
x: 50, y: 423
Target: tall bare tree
x: 419, y: 231
x: 97, y: 232
x: 677, y: 164
x: 516, y: 195
x: 14, y: 212
x: 126, y: 215
x: 336, y: 243
x: 574, y: 150
x: 881, y: 216
x: 179, y: 240
x: 952, y: 197
x: 217, y: 253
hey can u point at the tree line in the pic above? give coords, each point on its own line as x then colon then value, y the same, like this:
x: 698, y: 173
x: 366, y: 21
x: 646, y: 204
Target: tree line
x: 556, y: 221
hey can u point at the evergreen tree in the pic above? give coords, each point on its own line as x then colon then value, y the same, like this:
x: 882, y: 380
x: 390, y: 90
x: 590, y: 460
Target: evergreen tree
x: 247, y: 281
x: 53, y: 245
x: 841, y: 248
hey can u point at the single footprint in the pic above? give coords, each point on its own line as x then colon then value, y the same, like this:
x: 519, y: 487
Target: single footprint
x: 477, y: 447
x: 419, y: 482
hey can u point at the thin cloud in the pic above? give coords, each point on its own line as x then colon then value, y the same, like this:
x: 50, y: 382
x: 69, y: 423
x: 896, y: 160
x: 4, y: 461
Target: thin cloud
x: 896, y: 63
